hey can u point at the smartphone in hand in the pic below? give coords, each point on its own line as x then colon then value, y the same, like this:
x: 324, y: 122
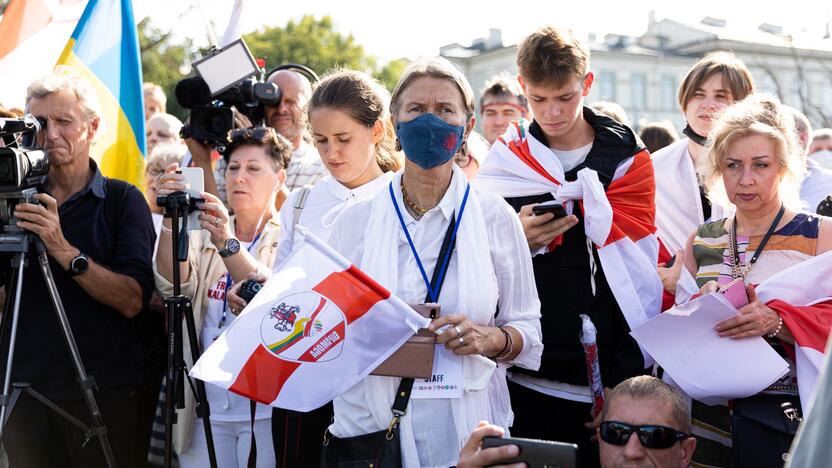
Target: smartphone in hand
x: 195, y: 185
x: 556, y: 208
x: 536, y: 453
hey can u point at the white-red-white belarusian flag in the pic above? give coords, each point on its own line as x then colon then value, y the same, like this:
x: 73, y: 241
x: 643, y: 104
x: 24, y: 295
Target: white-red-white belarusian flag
x: 802, y: 296
x: 619, y: 221
x: 32, y: 35
x: 316, y: 328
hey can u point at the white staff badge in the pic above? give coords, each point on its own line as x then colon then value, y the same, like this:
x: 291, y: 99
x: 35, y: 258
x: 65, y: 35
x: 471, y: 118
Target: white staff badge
x: 446, y: 381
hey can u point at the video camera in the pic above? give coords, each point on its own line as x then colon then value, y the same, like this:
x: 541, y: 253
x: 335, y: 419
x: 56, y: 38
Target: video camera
x: 22, y: 163
x: 225, y: 77
x: 23, y: 166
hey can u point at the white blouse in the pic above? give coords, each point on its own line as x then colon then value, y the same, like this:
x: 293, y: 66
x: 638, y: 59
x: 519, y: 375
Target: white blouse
x: 324, y: 203
x: 437, y: 436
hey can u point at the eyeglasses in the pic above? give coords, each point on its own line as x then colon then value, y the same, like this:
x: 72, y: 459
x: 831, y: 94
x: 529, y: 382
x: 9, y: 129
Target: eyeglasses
x: 651, y: 437
x: 254, y: 133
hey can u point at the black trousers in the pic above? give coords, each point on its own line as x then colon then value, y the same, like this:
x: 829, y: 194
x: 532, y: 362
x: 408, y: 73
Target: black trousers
x: 539, y: 416
x: 298, y: 437
x: 37, y: 437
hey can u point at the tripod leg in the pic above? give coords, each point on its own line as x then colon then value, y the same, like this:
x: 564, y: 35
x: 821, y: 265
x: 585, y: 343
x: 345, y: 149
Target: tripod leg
x: 17, y: 283
x: 87, y: 383
x: 202, y: 408
x: 173, y: 381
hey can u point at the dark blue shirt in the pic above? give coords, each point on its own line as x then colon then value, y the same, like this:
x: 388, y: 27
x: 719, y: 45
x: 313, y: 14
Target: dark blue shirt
x: 104, y: 336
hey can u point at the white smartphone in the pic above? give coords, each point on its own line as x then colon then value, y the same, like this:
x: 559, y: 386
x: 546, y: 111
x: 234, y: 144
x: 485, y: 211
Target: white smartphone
x: 195, y: 185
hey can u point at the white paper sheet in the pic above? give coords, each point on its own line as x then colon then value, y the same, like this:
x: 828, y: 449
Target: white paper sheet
x: 708, y: 367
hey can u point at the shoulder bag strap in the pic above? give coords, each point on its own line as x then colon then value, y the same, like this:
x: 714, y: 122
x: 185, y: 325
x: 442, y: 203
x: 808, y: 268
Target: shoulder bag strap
x: 298, y: 206
x: 406, y: 386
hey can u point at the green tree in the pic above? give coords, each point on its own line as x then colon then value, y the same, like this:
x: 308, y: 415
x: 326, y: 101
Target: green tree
x: 389, y: 74
x: 162, y: 61
x: 310, y: 42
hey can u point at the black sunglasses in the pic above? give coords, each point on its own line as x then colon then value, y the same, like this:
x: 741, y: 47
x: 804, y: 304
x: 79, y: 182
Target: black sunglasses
x: 245, y: 134
x: 652, y: 437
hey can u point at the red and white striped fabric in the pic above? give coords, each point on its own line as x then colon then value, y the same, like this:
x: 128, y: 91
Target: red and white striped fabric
x: 802, y: 295
x: 316, y: 328
x: 32, y: 35
x: 620, y: 221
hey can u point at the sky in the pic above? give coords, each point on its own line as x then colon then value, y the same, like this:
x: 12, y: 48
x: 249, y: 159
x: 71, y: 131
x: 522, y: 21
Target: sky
x: 392, y: 29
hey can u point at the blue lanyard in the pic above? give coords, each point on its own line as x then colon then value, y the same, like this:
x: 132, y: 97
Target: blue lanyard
x: 444, y: 267
x: 228, y: 283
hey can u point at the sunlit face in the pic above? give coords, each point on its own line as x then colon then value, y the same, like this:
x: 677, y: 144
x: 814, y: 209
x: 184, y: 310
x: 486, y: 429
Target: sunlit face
x: 751, y: 173
x: 287, y: 117
x: 437, y: 96
x: 707, y: 100
x: 557, y: 109
x: 152, y: 106
x: 641, y: 411
x: 250, y: 179
x: 160, y: 131
x: 347, y: 147
x: 151, y: 176
x: 497, y: 114
x: 68, y: 133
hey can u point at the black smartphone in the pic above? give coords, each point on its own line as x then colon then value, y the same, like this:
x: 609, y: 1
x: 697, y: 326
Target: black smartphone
x: 556, y: 208
x: 536, y: 453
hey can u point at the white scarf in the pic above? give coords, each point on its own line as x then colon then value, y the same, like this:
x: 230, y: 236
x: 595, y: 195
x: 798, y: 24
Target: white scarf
x: 476, y: 297
x: 678, y: 204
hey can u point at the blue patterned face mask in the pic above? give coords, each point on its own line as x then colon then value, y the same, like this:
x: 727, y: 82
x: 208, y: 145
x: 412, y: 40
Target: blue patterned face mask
x: 429, y: 141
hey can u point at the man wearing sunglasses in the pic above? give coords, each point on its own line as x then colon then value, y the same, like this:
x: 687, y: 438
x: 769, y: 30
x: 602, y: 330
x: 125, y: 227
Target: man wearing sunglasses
x: 645, y: 424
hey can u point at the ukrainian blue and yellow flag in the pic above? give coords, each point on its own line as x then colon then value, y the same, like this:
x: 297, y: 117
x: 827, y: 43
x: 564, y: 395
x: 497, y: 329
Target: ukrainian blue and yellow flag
x: 105, y: 49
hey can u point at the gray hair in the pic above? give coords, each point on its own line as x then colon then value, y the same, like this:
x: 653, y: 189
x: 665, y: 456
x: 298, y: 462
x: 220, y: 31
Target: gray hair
x: 435, y: 67
x: 164, y: 155
x: 645, y: 387
x: 65, y: 79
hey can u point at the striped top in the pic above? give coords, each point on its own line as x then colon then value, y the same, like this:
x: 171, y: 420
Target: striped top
x: 793, y: 243
x: 789, y: 245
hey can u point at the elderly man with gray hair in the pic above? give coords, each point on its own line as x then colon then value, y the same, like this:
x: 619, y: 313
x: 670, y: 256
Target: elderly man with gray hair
x: 99, y: 238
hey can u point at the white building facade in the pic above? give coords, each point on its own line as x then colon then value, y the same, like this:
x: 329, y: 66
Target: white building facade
x: 643, y: 73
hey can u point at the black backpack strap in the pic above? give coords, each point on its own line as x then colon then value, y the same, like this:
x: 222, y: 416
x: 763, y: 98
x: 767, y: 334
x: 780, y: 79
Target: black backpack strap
x: 114, y: 204
x: 406, y: 386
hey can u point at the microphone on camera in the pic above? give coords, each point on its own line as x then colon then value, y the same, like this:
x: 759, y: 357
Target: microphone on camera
x: 192, y: 91
x: 825, y: 206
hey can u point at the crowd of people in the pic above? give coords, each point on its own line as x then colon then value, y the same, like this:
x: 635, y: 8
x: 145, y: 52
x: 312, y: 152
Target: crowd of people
x: 555, y: 215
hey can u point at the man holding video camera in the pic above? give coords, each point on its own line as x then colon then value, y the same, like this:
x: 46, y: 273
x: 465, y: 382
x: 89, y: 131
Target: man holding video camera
x: 288, y: 119
x: 99, y: 237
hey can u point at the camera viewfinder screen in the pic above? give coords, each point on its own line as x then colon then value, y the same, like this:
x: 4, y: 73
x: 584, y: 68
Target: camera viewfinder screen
x: 226, y: 68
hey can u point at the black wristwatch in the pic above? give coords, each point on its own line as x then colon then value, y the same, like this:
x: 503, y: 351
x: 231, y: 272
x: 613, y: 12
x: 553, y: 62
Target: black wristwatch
x: 79, y: 265
x: 232, y: 246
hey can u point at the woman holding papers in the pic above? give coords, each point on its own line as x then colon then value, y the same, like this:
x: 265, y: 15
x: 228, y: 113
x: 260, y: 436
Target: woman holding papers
x: 753, y: 162
x: 489, y: 309
x: 349, y: 119
x: 224, y: 252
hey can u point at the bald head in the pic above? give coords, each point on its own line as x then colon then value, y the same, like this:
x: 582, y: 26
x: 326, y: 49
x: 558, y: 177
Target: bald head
x: 802, y: 127
x: 288, y: 117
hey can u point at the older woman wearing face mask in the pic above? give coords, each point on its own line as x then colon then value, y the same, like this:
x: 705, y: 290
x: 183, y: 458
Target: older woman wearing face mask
x: 753, y: 162
x: 489, y: 310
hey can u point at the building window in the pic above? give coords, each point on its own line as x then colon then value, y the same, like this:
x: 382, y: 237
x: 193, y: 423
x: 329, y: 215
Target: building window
x: 639, y: 91
x: 668, y: 93
x: 607, y: 85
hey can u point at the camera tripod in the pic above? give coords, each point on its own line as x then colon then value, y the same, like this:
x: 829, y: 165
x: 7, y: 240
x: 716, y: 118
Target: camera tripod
x: 178, y: 205
x: 19, y: 244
